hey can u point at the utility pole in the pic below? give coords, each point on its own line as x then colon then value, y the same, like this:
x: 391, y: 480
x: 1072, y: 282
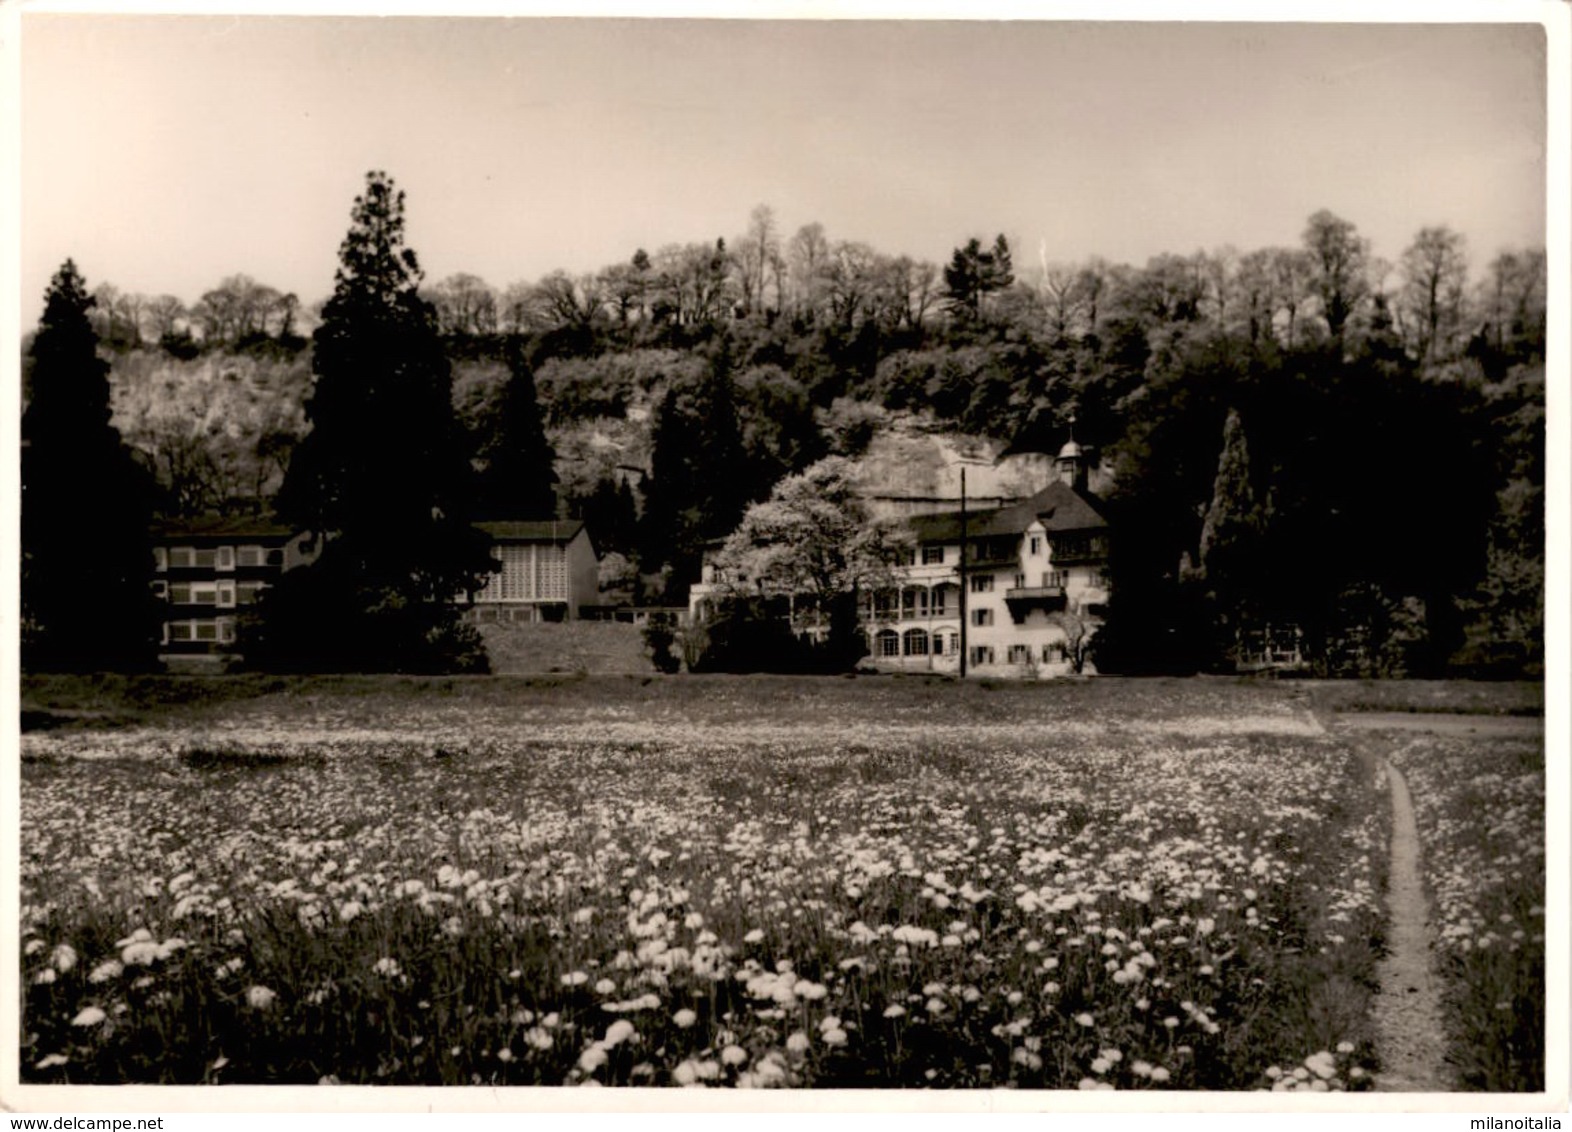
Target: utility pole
x: 963, y: 571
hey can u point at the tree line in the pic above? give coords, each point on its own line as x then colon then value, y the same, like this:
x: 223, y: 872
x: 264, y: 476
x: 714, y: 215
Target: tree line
x: 1326, y: 287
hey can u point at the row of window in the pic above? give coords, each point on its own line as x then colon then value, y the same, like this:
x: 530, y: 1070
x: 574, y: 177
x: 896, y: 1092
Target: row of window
x: 983, y: 583
x: 914, y: 642
x: 1050, y: 579
x: 219, y: 631
x: 993, y: 550
x: 215, y: 557
x: 917, y: 603
x: 1078, y: 546
x: 889, y: 644
x: 911, y: 603
x: 223, y: 594
x: 1017, y: 654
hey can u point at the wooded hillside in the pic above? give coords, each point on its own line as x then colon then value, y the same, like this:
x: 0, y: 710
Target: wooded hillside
x: 1303, y: 434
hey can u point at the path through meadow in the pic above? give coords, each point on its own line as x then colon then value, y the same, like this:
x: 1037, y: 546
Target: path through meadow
x: 1408, y: 1006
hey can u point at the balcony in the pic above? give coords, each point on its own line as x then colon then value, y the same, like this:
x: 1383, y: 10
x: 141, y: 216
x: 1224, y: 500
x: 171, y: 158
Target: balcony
x: 891, y: 614
x: 1021, y: 600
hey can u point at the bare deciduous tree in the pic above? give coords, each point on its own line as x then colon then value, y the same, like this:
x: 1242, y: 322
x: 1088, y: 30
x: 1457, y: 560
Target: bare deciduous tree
x: 1434, y: 274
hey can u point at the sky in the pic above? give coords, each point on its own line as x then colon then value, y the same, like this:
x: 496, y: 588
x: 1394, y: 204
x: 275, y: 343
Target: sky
x: 163, y: 153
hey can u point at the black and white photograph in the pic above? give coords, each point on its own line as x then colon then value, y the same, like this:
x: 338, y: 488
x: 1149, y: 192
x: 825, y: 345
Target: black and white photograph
x: 999, y: 555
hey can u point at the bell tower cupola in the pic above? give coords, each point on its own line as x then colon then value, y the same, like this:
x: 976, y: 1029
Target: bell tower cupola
x: 1071, y: 462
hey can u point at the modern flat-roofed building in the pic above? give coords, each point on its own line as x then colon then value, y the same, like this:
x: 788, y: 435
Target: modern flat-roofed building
x: 549, y: 572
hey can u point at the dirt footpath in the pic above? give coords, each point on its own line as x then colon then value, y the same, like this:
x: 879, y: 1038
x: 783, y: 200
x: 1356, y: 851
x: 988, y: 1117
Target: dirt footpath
x: 1408, y: 1014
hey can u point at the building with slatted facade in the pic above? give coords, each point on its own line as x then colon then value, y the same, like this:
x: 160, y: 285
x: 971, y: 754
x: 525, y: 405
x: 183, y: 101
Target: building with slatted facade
x: 549, y: 572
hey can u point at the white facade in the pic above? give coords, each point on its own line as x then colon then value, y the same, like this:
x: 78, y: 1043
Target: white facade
x: 1022, y: 614
x: 1036, y: 586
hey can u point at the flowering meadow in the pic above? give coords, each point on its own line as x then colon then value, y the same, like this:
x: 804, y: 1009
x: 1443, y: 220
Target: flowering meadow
x: 710, y: 882
x: 1480, y: 809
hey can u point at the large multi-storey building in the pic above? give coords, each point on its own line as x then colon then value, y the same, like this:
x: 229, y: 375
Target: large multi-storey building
x: 208, y: 571
x: 1035, y: 585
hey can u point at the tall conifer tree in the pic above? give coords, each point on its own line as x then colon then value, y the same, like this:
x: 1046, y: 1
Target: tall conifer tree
x: 382, y: 477
x: 86, y: 504
x: 518, y: 476
x: 1232, y: 518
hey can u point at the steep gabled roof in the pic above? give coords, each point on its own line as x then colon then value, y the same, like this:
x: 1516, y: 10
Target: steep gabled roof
x: 533, y: 530
x: 1059, y: 507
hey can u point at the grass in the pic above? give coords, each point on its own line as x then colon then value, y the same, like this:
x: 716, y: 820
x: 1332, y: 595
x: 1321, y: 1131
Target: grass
x: 1453, y: 697
x: 870, y: 882
x: 591, y: 647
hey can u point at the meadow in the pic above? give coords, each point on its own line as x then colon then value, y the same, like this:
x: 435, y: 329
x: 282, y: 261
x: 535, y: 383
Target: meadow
x: 870, y: 882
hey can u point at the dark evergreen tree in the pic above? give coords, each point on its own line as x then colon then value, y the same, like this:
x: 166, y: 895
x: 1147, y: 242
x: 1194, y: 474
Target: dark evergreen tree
x: 86, y: 559
x: 725, y: 471
x: 701, y: 479
x: 963, y: 280
x: 670, y: 494
x: 611, y: 515
x: 999, y: 270
x: 1233, y: 517
x: 518, y: 466
x: 382, y: 478
x: 1230, y: 539
x: 973, y: 274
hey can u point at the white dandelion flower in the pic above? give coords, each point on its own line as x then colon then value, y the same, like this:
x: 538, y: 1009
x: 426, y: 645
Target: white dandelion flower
x: 618, y: 1032
x: 63, y: 958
